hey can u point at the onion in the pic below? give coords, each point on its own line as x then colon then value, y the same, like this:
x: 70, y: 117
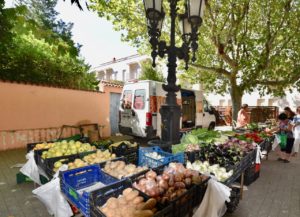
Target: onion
x: 151, y: 174
x: 165, y: 176
x: 163, y: 184
x: 158, y: 178
x: 143, y: 181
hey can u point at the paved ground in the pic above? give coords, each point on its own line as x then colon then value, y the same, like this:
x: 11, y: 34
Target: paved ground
x: 275, y: 194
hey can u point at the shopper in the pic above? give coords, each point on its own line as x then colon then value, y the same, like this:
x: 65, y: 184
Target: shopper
x: 285, y: 129
x: 243, y: 117
x: 288, y: 111
x: 296, y: 132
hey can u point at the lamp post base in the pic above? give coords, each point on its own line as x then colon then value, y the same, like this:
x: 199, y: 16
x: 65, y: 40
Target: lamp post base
x: 170, y: 119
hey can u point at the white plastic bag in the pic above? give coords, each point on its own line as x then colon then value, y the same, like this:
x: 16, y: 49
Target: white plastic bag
x: 53, y: 199
x: 30, y: 168
x: 213, y: 204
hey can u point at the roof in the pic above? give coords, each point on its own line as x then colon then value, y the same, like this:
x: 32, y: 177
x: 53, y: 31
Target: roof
x: 117, y: 84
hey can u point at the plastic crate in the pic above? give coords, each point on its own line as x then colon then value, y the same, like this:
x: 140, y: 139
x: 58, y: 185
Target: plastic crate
x: 152, y: 163
x: 250, y: 175
x: 73, y: 180
x: 192, y: 156
x: 132, y: 177
x: 47, y: 163
x: 100, y: 197
x: 130, y: 153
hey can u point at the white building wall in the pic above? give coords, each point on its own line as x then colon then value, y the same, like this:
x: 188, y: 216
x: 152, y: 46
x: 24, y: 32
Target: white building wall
x: 254, y: 99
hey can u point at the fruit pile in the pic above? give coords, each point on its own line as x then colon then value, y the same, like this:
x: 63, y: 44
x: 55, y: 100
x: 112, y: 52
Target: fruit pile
x: 94, y: 158
x: 65, y: 148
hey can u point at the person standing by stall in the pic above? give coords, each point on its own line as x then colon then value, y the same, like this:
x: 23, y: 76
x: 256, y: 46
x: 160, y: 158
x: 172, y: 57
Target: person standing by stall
x: 296, y: 132
x: 285, y: 134
x: 288, y: 111
x: 243, y: 117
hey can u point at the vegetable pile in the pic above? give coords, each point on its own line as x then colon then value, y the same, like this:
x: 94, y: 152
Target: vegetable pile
x: 205, y: 168
x: 67, y: 148
x: 129, y: 204
x: 94, y: 158
x: 119, y: 169
x: 173, y: 182
x: 154, y: 155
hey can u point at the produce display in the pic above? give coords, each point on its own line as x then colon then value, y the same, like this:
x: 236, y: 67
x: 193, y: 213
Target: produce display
x: 226, y: 155
x: 67, y: 148
x: 127, y: 144
x: 205, y: 168
x: 250, y: 137
x: 94, y: 158
x: 129, y: 204
x: 119, y: 169
x: 103, y: 144
x: 173, y: 182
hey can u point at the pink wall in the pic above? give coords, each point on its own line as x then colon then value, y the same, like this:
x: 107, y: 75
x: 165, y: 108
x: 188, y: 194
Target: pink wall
x: 27, y: 108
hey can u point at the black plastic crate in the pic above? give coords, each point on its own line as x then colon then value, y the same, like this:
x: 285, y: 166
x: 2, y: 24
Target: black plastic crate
x: 130, y: 153
x: 192, y: 156
x: 47, y: 163
x: 183, y: 205
x: 250, y: 175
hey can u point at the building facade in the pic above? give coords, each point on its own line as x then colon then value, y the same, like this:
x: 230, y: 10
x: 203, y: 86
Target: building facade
x: 122, y: 69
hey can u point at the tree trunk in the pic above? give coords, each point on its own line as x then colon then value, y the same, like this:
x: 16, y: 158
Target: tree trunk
x: 236, y: 97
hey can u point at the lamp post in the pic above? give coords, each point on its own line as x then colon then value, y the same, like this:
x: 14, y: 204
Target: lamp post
x: 190, y: 23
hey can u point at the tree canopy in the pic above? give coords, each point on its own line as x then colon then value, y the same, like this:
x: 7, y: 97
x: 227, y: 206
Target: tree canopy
x: 244, y: 45
x: 37, y: 48
x: 150, y: 73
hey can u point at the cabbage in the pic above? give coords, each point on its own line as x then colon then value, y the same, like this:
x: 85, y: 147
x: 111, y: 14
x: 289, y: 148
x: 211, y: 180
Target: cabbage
x: 189, y: 139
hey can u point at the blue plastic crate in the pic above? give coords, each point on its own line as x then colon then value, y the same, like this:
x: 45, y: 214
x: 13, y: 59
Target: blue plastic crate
x: 151, y: 162
x: 72, y: 181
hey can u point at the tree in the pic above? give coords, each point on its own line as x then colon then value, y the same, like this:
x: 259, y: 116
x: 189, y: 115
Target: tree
x: 244, y: 45
x: 149, y: 73
x: 35, y: 53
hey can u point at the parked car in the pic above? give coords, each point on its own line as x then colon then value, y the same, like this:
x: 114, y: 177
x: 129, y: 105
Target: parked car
x: 140, y: 103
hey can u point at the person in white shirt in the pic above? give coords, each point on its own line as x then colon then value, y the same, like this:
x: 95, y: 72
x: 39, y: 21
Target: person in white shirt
x: 296, y: 131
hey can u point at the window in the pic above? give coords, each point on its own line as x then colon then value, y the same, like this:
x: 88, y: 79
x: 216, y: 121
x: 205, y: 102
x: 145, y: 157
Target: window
x: 127, y: 99
x: 139, y: 99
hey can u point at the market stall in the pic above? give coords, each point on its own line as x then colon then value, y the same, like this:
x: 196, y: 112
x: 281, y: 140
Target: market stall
x: 103, y: 176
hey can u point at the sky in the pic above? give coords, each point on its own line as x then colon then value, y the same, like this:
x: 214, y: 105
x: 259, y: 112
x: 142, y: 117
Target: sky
x: 100, y: 43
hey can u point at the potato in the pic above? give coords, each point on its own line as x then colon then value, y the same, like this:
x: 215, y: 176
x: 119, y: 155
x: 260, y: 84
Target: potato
x: 127, y: 191
x: 140, y: 206
x: 132, y: 195
x: 122, y: 201
x: 150, y: 204
x: 143, y: 213
x: 138, y: 200
x: 112, y: 203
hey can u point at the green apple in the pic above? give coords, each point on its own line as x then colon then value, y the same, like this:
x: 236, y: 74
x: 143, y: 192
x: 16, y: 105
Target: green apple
x: 81, y: 149
x: 57, y: 164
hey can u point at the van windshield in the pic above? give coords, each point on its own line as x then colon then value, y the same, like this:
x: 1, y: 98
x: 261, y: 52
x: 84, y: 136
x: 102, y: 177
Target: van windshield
x: 127, y: 99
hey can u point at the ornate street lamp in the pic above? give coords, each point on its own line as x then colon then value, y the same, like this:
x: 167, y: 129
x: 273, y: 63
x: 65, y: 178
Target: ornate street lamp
x: 190, y: 23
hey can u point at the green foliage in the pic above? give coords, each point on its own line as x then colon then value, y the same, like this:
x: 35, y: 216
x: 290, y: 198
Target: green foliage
x: 150, y: 73
x: 244, y: 45
x: 34, y: 49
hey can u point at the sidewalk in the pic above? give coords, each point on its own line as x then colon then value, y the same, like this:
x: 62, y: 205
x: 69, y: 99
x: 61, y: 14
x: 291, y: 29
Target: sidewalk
x: 275, y: 194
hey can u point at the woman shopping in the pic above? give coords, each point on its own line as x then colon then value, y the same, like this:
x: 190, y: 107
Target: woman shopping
x: 285, y: 135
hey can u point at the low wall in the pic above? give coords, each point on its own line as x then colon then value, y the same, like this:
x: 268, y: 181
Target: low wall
x: 32, y: 113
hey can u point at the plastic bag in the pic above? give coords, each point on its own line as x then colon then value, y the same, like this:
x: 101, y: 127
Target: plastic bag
x: 30, y: 168
x: 213, y: 204
x: 53, y: 199
x: 282, y: 140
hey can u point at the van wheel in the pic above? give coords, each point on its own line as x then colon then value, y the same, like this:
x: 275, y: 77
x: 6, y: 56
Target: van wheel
x: 212, y: 126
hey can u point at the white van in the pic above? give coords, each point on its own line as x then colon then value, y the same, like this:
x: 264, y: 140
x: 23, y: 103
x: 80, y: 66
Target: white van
x: 140, y: 103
